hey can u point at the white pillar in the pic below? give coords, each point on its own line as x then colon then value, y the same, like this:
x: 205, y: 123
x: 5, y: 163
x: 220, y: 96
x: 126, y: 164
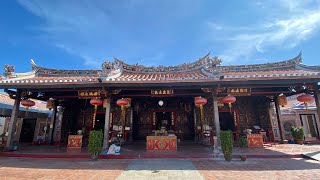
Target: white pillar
x: 216, y: 117
x: 107, y: 124
x: 317, y: 100
x: 278, y: 111
x: 52, y: 123
x: 13, y: 121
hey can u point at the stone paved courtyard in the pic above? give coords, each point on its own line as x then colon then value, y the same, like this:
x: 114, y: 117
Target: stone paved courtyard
x: 279, y: 168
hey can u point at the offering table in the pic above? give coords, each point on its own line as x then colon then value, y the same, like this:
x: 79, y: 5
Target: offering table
x: 161, y: 143
x: 255, y: 140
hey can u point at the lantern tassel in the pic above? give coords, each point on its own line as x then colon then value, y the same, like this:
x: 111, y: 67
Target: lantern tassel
x: 230, y: 106
x: 306, y: 105
x: 27, y: 108
x: 123, y: 117
x: 201, y: 119
x: 94, y: 116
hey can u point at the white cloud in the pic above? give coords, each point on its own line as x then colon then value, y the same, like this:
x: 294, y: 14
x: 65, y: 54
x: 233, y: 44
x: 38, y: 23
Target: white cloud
x: 99, y: 30
x: 286, y: 31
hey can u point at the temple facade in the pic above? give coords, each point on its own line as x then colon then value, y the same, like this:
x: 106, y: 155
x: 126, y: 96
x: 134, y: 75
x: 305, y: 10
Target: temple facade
x: 164, y: 99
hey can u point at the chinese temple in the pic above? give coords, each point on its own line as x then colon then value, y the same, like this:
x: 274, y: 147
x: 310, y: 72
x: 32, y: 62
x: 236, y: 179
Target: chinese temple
x: 187, y: 102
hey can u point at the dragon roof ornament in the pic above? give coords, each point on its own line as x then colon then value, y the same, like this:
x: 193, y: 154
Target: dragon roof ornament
x: 205, y: 62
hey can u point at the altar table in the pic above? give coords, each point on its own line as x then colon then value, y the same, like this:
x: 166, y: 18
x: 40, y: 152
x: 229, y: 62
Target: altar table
x: 74, y: 141
x: 255, y: 140
x: 161, y: 143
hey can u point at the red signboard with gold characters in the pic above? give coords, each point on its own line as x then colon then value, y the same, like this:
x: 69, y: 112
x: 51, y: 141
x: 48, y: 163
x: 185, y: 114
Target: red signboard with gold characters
x: 74, y: 141
x: 255, y: 140
x: 161, y: 143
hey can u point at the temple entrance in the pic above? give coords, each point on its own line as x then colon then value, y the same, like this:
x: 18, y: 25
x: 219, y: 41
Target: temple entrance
x: 27, y: 130
x: 163, y: 120
x: 227, y: 120
x: 174, y: 114
x: 99, y: 121
x: 309, y: 124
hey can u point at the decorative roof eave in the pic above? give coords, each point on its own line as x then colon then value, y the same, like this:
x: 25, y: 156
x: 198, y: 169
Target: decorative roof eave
x: 203, y: 63
x: 307, y: 67
x: 19, y: 76
x: 172, y: 83
x: 288, y: 64
x: 41, y: 71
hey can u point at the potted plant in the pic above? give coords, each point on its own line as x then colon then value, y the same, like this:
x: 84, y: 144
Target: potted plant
x: 243, y: 143
x: 95, y: 143
x: 297, y: 134
x: 226, y: 144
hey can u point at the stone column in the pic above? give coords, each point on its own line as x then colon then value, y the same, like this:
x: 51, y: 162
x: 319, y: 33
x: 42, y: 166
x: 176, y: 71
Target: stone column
x: 131, y: 126
x: 216, y: 117
x: 13, y: 121
x: 58, y: 125
x: 278, y: 117
x: 317, y: 99
x: 107, y: 124
x: 52, y: 123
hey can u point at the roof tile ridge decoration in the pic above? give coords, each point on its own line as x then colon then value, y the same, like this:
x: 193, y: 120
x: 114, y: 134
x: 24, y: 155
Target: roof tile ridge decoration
x: 46, y: 72
x: 205, y: 65
x: 282, y: 65
x: 11, y: 75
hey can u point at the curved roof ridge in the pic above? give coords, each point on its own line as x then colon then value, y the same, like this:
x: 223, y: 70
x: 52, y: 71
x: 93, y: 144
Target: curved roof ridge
x: 185, y: 67
x: 42, y: 71
x: 291, y: 63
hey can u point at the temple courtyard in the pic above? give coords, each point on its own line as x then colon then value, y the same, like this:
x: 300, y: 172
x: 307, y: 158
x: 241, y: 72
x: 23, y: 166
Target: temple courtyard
x: 191, y: 161
x: 267, y: 168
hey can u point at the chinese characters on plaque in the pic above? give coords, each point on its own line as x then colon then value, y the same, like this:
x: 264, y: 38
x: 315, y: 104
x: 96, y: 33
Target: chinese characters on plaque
x: 88, y: 94
x: 239, y: 91
x: 162, y: 92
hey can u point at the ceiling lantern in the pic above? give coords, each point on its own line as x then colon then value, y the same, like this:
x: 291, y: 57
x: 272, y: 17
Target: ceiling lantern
x: 282, y: 100
x: 50, y: 103
x: 200, y: 101
x: 27, y: 103
x: 229, y: 100
x: 95, y: 102
x: 123, y: 103
x: 305, y: 98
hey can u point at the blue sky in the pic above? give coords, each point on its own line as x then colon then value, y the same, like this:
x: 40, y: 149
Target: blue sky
x: 81, y: 34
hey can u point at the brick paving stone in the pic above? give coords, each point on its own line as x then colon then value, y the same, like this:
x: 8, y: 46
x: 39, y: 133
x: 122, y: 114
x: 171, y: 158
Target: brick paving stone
x: 28, y: 168
x: 259, y: 169
x: 159, y: 169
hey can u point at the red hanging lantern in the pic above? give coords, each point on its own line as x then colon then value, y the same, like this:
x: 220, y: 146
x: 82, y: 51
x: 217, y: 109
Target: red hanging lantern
x: 124, y: 102
x: 50, y: 103
x: 282, y: 100
x: 229, y: 100
x: 200, y: 101
x: 96, y: 102
x: 305, y: 98
x: 27, y: 103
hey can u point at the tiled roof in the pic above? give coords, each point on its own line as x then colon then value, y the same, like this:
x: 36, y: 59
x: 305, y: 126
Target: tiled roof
x: 204, y: 70
x: 5, y: 99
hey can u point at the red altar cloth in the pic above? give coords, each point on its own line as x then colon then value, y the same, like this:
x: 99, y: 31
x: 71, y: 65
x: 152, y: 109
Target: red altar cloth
x: 255, y: 140
x: 74, y: 141
x: 161, y: 143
